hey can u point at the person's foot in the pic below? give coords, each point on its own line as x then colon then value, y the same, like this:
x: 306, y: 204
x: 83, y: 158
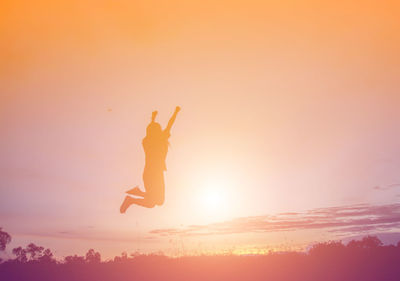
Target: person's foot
x: 125, y: 205
x: 133, y: 191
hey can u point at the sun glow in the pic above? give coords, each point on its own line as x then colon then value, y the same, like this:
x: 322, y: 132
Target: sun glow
x: 214, y: 198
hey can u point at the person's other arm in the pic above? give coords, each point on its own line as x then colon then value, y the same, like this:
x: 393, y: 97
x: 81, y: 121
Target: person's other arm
x: 172, y: 120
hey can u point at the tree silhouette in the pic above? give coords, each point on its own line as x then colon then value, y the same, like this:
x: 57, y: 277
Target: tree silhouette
x: 92, y: 256
x: 46, y: 257
x: 75, y: 259
x: 5, y: 239
x: 327, y: 248
x: 20, y: 254
x: 33, y: 253
x: 123, y: 258
x: 368, y: 242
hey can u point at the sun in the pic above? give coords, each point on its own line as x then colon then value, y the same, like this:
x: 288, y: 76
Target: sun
x: 212, y: 198
x: 214, y: 195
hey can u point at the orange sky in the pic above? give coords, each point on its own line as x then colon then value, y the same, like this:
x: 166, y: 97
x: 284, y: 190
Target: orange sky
x: 287, y: 106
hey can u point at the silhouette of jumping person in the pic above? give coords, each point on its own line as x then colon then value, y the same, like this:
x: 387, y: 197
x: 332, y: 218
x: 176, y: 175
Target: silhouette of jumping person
x: 155, y: 145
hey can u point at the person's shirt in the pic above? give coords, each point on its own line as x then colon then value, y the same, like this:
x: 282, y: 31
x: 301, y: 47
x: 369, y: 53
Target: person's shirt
x: 155, y: 150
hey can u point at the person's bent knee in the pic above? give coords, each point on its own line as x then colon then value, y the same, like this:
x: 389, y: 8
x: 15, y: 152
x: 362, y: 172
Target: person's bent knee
x: 151, y: 204
x: 152, y: 200
x: 160, y: 201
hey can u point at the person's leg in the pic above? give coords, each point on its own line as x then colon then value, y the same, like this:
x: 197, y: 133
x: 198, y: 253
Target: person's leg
x: 136, y: 192
x: 160, y: 199
x: 145, y: 202
x: 151, y: 184
x: 153, y: 179
x: 125, y: 204
x: 160, y: 195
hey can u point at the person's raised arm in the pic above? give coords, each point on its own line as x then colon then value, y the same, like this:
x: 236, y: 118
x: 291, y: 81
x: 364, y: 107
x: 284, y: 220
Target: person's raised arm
x: 153, y: 115
x: 172, y: 119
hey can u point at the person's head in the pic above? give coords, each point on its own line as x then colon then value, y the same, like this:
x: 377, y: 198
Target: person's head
x: 153, y: 130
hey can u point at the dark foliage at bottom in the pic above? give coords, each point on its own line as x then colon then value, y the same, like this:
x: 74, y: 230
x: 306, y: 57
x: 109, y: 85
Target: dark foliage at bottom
x: 363, y: 260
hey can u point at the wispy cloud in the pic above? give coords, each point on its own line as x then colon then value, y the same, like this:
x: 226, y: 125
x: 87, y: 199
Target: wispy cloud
x: 386, y: 187
x: 344, y: 219
x: 379, y: 187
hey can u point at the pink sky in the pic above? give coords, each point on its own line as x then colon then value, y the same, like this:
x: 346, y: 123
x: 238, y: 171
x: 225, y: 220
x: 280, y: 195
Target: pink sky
x: 286, y: 107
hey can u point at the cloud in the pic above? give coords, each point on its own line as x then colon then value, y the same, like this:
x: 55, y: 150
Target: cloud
x: 379, y: 187
x: 344, y: 219
x: 386, y: 187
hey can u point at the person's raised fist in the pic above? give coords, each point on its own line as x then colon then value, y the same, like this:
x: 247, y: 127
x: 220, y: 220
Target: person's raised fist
x: 153, y: 115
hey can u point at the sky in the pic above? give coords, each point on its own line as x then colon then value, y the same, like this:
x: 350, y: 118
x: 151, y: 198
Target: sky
x: 288, y: 132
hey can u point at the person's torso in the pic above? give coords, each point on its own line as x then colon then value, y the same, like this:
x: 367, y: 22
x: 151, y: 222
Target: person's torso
x: 155, y: 150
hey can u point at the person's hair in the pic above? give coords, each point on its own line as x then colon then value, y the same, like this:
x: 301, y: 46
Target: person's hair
x: 153, y: 129
x: 154, y: 133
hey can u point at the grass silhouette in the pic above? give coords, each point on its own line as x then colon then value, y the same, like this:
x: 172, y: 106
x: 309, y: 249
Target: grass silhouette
x: 359, y: 260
